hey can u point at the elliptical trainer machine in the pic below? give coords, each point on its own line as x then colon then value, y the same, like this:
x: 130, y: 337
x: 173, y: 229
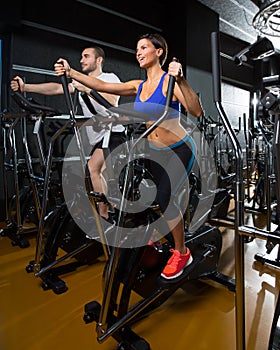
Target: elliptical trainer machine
x: 59, y: 237
x: 25, y: 202
x: 137, y: 269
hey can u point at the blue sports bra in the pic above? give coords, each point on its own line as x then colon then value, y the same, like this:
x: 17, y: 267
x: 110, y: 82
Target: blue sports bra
x: 154, y: 105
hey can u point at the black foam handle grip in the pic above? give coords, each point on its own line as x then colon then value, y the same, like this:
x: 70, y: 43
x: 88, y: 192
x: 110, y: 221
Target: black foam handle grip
x: 120, y: 110
x: 216, y: 66
x: 100, y: 99
x: 88, y: 103
x: 170, y: 88
x: 76, y: 99
x: 68, y: 98
x: 244, y: 122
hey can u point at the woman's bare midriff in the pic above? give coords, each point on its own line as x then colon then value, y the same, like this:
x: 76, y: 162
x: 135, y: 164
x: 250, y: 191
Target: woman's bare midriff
x: 168, y: 133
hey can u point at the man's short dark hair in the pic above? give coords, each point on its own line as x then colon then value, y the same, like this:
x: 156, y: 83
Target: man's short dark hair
x: 98, y: 50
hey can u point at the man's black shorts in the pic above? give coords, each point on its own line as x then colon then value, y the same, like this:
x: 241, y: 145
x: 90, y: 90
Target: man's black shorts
x: 116, y: 138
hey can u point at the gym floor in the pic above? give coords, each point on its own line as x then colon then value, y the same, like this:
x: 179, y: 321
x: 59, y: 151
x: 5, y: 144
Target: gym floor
x: 199, y: 317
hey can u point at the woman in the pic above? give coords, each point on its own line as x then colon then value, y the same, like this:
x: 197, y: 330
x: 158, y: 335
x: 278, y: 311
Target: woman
x: 170, y: 136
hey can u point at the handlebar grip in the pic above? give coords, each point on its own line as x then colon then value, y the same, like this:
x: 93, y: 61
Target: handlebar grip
x: 170, y: 88
x: 216, y: 66
x: 68, y: 98
x: 32, y: 106
x: 88, y: 103
x: 18, y: 89
x: 76, y: 99
x: 100, y: 99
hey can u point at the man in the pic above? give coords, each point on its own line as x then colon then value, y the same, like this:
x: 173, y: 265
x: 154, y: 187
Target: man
x: 92, y: 62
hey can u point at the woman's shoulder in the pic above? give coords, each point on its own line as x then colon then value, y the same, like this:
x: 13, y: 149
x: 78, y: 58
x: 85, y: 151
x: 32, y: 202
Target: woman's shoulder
x: 135, y: 83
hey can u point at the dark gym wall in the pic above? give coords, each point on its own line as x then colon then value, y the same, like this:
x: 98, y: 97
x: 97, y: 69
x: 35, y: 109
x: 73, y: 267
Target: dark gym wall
x: 40, y: 49
x: 201, y: 22
x: 10, y: 15
x: 41, y: 32
x: 62, y: 29
x: 48, y: 30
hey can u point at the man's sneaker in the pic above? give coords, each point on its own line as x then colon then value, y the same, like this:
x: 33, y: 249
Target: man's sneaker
x: 176, y: 264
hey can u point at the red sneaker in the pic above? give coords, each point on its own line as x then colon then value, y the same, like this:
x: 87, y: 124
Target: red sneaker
x: 176, y: 264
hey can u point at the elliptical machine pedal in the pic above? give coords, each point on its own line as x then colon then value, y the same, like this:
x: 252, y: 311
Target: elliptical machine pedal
x: 132, y: 340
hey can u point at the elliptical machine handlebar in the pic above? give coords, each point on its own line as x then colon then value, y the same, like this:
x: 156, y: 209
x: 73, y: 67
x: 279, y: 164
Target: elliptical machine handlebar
x: 32, y: 106
x: 170, y: 89
x: 118, y: 110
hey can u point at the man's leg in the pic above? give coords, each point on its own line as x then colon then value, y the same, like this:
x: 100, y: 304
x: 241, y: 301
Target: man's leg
x: 96, y: 165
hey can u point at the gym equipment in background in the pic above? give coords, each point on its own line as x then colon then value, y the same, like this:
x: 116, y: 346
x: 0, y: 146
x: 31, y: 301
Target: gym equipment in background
x: 240, y: 229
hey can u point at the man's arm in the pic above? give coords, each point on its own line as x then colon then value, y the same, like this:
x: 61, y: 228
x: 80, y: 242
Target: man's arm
x: 49, y: 89
x: 112, y: 99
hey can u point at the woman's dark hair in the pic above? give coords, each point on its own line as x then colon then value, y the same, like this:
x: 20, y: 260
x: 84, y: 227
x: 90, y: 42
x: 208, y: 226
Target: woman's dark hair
x: 159, y: 43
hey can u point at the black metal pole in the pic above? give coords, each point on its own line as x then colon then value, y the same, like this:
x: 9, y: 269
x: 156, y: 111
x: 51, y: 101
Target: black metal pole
x: 239, y: 201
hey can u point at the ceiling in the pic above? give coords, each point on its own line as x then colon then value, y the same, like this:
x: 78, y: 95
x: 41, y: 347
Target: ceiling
x: 236, y: 18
